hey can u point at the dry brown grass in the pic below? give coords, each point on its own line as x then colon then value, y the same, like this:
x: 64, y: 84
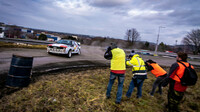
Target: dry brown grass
x: 21, y: 45
x: 85, y: 91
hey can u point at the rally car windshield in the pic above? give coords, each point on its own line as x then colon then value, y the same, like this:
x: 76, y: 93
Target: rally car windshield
x: 67, y: 42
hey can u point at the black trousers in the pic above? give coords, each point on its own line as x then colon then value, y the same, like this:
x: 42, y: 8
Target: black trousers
x: 174, y: 98
x: 158, y: 83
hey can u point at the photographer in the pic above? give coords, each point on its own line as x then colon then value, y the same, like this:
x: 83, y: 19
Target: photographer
x: 117, y: 69
x: 160, y: 74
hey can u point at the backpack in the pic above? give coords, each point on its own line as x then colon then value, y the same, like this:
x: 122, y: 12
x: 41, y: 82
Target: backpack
x: 189, y: 77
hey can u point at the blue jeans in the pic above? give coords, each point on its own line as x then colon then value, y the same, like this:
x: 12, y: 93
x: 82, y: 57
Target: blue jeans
x: 120, y: 85
x: 139, y: 83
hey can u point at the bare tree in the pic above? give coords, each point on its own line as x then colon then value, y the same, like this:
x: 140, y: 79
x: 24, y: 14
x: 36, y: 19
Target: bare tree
x: 193, y: 39
x: 132, y: 35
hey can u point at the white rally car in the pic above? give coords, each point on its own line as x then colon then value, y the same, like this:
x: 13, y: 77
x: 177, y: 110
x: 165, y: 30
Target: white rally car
x: 67, y: 47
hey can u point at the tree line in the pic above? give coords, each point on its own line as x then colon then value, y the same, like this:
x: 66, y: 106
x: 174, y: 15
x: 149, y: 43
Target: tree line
x: 191, y: 40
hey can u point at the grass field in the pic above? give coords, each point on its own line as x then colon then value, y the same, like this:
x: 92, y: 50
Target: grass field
x: 84, y: 91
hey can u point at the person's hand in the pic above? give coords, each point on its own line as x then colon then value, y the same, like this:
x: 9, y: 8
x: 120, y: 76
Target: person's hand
x: 165, y: 82
x: 108, y: 49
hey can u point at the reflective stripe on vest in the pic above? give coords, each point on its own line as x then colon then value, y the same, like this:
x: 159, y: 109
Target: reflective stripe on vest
x: 157, y: 70
x: 118, y: 59
x: 140, y: 65
x: 179, y: 72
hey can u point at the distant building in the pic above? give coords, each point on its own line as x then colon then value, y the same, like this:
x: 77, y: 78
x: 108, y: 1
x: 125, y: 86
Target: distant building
x: 50, y: 37
x: 53, y: 38
x: 76, y: 37
x: 27, y: 30
x: 2, y: 31
x: 27, y: 33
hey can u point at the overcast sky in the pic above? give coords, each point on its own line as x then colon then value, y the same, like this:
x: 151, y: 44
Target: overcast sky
x: 106, y: 17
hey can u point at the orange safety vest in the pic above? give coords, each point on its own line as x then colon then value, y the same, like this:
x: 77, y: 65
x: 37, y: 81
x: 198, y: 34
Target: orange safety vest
x: 180, y: 71
x: 157, y: 70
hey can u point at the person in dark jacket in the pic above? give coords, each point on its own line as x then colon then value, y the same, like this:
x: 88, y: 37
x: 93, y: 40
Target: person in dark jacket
x: 160, y: 74
x: 117, y: 69
x: 176, y: 90
x: 131, y: 54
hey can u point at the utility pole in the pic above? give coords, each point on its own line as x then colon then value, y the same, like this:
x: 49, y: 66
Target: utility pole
x: 175, y: 46
x: 155, y: 53
x: 176, y: 42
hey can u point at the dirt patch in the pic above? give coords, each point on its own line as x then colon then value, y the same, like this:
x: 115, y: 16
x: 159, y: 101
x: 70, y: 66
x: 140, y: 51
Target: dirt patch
x: 66, y: 66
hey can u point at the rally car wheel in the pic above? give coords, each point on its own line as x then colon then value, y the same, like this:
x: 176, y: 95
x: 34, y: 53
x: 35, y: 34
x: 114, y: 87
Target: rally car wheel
x: 69, y: 55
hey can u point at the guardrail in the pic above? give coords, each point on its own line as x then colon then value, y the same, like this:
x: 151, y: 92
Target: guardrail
x: 27, y: 41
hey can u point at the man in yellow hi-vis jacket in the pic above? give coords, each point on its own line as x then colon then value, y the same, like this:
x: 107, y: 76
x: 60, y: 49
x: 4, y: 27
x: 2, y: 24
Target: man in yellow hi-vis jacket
x: 139, y: 75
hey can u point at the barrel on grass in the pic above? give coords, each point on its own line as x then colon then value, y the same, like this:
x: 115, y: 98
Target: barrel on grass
x: 20, y: 71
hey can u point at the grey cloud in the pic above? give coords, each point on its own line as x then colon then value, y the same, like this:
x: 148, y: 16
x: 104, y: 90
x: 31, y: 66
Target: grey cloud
x: 149, y: 31
x: 177, y: 35
x: 111, y: 17
x: 5, y: 4
x: 22, y: 12
x: 178, y: 5
x: 185, y: 12
x: 19, y: 6
x: 186, y: 17
x: 107, y: 3
x: 122, y: 13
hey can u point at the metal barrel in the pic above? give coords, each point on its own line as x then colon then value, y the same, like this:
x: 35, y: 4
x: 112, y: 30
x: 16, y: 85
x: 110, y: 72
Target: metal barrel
x: 20, y: 71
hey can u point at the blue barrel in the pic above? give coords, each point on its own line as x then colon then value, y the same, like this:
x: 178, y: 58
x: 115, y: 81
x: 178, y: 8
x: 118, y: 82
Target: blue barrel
x: 20, y: 71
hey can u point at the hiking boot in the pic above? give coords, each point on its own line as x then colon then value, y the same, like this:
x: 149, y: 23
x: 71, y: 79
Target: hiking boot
x: 108, y: 97
x: 160, y: 92
x: 117, y: 102
x: 151, y: 94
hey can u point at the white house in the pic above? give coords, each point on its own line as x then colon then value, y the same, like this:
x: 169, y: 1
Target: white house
x: 27, y: 30
x: 2, y: 31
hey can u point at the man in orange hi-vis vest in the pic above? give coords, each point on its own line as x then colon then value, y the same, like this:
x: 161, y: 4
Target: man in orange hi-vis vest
x: 159, y: 72
x: 176, y: 89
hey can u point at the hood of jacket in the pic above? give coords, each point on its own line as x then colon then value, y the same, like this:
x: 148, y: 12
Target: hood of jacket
x: 136, y: 55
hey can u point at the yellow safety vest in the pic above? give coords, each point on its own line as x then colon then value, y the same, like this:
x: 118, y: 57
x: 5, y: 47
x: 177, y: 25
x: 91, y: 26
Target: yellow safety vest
x: 137, y: 63
x: 118, y: 59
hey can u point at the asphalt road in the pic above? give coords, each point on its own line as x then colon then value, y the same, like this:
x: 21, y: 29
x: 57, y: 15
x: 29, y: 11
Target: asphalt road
x: 42, y: 59
x: 90, y: 56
